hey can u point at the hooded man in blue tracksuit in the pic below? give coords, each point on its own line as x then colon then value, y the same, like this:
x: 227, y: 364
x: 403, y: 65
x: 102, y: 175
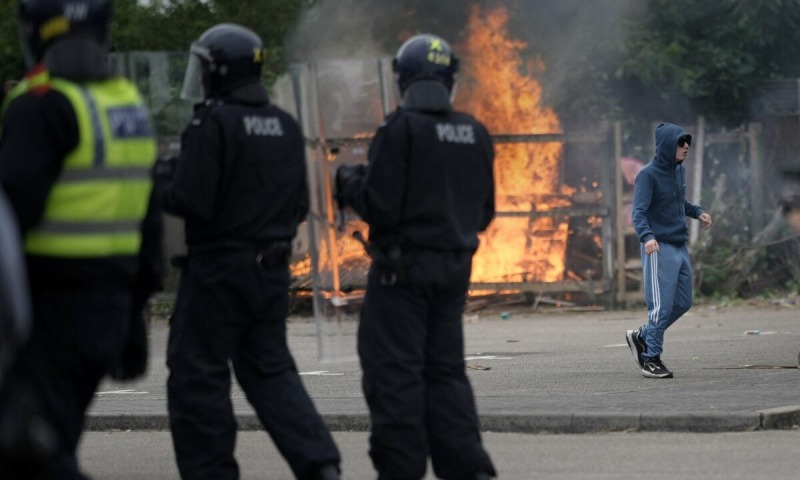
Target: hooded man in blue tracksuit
x: 659, y: 216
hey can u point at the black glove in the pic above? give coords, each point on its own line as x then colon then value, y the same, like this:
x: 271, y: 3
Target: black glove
x: 132, y: 362
x: 345, y: 175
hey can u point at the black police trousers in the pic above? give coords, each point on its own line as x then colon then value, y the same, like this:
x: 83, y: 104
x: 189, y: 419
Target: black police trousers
x: 411, y: 348
x: 76, y: 337
x: 232, y: 308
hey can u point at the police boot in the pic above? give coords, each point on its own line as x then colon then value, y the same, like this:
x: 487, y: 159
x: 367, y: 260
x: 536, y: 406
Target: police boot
x: 328, y: 472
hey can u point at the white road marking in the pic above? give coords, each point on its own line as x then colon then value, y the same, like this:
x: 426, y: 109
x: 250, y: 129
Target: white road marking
x: 122, y: 392
x: 322, y: 373
x: 486, y: 357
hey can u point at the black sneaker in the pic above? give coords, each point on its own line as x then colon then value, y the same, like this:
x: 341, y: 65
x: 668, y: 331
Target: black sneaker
x: 654, y: 368
x: 637, y: 345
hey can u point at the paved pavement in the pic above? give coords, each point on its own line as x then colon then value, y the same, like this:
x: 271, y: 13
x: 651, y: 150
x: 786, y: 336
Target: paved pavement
x: 760, y: 455
x: 550, y: 371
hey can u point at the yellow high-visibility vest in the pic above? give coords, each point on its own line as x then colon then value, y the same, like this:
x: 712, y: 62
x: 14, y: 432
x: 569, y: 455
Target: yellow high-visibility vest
x: 97, y: 204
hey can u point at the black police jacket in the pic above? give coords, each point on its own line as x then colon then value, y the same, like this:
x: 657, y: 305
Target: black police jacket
x: 429, y: 183
x: 241, y: 174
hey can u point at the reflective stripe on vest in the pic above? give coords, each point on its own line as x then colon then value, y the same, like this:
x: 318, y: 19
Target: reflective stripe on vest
x: 97, y: 204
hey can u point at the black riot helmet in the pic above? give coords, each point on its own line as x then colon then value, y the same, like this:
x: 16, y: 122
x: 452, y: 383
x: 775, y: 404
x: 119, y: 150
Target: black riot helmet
x: 225, y: 57
x: 44, y: 22
x: 425, y: 57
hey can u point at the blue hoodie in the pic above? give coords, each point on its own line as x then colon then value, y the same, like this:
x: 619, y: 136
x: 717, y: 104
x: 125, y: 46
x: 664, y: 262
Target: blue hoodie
x: 659, y: 200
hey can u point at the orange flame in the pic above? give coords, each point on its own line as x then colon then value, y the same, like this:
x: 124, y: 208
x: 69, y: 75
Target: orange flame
x: 506, y: 97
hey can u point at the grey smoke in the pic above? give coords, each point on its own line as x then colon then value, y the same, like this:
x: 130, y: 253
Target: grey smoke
x: 563, y: 33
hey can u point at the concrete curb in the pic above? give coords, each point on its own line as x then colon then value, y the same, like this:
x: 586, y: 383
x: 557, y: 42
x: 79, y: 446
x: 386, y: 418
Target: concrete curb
x: 782, y: 418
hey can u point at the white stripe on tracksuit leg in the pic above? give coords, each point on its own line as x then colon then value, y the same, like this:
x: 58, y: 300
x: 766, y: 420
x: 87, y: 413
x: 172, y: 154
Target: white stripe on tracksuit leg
x: 655, y: 288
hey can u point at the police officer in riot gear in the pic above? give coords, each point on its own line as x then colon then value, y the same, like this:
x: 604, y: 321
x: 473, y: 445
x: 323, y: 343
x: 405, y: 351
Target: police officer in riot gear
x: 427, y: 191
x: 240, y: 185
x: 76, y: 154
x: 15, y: 327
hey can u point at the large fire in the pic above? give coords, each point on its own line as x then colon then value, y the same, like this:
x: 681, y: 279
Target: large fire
x: 523, y: 244
x: 501, y: 90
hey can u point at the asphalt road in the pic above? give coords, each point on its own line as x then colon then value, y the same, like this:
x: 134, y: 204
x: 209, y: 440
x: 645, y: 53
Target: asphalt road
x: 559, y: 372
x: 763, y: 455
x: 558, y: 394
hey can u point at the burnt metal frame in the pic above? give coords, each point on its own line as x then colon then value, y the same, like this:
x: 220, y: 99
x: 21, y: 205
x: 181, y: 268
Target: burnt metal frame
x: 323, y: 217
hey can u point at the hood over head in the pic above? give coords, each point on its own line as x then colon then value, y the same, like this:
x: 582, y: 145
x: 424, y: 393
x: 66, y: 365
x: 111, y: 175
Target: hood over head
x: 667, y: 136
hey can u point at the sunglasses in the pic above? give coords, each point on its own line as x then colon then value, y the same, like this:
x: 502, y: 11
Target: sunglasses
x: 682, y: 142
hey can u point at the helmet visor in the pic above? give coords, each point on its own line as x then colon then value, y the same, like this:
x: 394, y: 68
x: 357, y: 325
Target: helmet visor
x: 193, y: 88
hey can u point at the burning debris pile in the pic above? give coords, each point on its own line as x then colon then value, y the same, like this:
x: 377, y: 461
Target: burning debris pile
x: 501, y: 90
x: 537, y: 208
